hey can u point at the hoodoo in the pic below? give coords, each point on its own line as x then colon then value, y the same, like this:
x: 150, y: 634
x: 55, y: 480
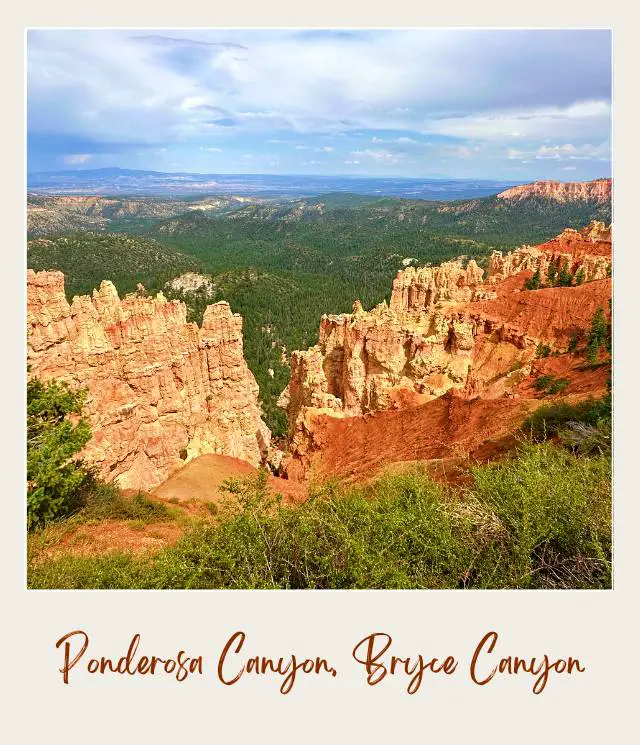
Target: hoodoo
x: 160, y: 391
x: 447, y: 330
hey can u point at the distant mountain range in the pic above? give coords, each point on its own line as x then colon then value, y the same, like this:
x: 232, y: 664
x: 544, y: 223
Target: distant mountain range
x: 120, y: 182
x: 532, y: 211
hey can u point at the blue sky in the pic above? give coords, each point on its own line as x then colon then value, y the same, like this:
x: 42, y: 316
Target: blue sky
x: 499, y: 104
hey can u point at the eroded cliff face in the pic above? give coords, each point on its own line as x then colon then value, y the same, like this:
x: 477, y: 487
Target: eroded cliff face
x: 446, y: 329
x: 160, y: 391
x: 598, y: 190
x: 587, y: 251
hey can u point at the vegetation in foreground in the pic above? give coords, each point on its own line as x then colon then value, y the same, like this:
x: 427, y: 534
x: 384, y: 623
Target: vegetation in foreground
x: 541, y: 519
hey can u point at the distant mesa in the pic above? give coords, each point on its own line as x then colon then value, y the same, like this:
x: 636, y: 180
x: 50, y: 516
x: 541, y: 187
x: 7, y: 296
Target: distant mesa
x: 580, y: 191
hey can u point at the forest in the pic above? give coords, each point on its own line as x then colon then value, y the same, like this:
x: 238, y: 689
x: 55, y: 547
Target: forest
x: 283, y: 264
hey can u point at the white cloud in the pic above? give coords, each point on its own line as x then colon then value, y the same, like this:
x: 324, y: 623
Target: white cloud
x: 212, y: 149
x: 382, y: 156
x: 578, y: 120
x: 352, y: 162
x: 124, y: 86
x: 74, y: 160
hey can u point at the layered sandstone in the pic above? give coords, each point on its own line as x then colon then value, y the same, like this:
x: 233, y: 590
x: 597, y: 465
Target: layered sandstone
x: 598, y: 191
x: 586, y: 252
x: 445, y: 330
x: 160, y: 391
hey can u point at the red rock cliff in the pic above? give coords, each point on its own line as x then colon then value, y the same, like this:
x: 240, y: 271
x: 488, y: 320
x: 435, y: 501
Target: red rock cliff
x: 444, y: 330
x: 160, y: 390
x: 598, y: 191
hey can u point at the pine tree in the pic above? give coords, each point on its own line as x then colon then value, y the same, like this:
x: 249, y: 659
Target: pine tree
x: 534, y: 282
x: 53, y: 475
x: 564, y: 277
x: 598, y: 335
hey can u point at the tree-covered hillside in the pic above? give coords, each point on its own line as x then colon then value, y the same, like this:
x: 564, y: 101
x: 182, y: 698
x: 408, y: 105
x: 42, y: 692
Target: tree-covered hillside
x: 282, y: 264
x: 88, y: 258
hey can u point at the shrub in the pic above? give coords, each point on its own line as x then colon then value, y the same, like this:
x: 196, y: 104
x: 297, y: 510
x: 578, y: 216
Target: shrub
x: 547, y: 421
x: 539, y: 519
x: 557, y: 515
x: 543, y: 382
x: 565, y: 279
x: 100, y: 501
x: 542, y: 350
x: 54, y: 474
x: 557, y: 385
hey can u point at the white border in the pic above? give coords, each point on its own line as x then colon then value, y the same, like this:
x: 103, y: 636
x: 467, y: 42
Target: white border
x: 593, y: 625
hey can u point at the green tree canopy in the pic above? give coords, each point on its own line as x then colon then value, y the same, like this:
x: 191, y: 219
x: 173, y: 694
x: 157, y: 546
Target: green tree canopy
x: 53, y: 439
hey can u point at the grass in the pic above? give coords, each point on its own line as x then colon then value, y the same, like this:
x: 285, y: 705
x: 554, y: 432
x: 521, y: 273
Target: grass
x: 541, y: 518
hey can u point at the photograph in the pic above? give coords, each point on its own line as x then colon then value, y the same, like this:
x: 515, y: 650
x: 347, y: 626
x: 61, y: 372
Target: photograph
x: 318, y: 309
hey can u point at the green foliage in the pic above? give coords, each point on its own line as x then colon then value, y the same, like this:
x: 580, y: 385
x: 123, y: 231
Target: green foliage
x: 542, y: 382
x: 565, y: 278
x: 542, y: 518
x: 102, y: 501
x: 556, y: 511
x: 54, y: 476
x: 542, y: 350
x: 580, y: 275
x: 599, y: 336
x: 576, y: 338
x: 552, y: 274
x: 550, y: 385
x: 548, y: 421
x: 88, y: 258
x: 533, y: 283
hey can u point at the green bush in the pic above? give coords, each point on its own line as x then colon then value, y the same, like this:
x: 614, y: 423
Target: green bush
x: 556, y: 510
x: 100, y: 501
x: 539, y: 519
x: 54, y: 475
x: 542, y: 350
x: 548, y: 421
x: 599, y: 336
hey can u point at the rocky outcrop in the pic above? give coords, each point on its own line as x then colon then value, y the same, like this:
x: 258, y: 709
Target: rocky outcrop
x: 160, y: 391
x: 586, y: 253
x: 445, y: 331
x: 417, y: 289
x: 598, y: 191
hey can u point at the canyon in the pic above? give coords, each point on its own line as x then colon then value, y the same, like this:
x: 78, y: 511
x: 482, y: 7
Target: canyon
x: 444, y: 370
x: 446, y: 366
x: 160, y: 391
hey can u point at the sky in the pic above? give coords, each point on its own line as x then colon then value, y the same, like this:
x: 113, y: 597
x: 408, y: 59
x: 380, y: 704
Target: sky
x: 499, y: 104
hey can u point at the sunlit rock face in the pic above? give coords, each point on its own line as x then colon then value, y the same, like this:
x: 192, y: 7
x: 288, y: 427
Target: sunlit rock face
x: 160, y: 391
x: 447, y: 329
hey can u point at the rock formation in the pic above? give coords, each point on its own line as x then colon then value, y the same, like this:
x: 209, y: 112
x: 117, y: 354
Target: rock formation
x: 598, y: 191
x: 445, y: 330
x: 160, y: 391
x: 587, y: 251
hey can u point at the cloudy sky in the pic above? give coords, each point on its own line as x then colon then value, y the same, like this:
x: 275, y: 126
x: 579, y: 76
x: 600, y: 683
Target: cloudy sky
x: 510, y: 105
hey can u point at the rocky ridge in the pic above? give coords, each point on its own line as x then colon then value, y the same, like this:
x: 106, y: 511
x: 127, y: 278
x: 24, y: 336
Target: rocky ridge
x: 598, y: 191
x: 447, y: 329
x: 160, y: 391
